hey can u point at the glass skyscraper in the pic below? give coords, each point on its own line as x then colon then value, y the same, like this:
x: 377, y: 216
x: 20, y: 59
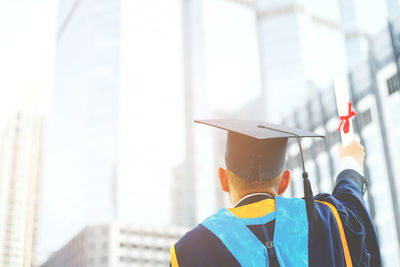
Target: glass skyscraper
x: 21, y: 169
x: 375, y: 92
x: 116, y: 101
x: 81, y: 150
x: 302, y: 40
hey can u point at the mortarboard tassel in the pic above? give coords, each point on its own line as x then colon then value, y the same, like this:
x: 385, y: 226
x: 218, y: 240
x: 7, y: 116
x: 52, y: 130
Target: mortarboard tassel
x: 308, y: 194
x: 309, y: 198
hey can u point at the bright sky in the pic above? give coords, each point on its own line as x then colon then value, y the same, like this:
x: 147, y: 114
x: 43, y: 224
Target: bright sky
x: 26, y: 51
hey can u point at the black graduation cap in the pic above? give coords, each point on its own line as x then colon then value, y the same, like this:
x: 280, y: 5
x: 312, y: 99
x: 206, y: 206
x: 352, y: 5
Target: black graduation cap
x: 256, y: 150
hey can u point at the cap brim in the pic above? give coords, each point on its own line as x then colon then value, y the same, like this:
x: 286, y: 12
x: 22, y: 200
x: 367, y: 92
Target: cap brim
x: 258, y: 129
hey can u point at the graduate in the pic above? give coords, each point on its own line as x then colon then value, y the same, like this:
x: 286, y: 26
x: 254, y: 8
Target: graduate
x: 265, y: 229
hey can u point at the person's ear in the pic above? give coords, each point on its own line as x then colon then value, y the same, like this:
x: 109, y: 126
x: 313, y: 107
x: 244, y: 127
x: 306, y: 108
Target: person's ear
x: 284, y: 182
x: 223, y: 179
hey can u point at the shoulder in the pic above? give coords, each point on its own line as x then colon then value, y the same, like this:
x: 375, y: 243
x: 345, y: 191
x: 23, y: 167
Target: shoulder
x: 200, y: 247
x: 198, y: 236
x: 350, y: 182
x: 352, y: 214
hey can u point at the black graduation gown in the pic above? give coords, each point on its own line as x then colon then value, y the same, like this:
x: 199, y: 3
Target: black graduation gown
x: 343, y: 235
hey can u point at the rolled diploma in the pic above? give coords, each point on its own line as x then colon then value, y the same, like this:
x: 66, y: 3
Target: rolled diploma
x: 342, y: 102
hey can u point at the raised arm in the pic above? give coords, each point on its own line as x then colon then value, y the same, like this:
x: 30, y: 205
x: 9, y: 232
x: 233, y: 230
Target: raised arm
x: 351, y: 158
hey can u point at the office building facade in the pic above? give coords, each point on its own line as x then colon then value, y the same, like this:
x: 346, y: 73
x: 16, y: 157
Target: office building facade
x: 302, y: 40
x: 102, y: 138
x: 21, y: 161
x: 375, y: 92
x: 81, y: 149
x: 118, y: 245
x: 221, y: 70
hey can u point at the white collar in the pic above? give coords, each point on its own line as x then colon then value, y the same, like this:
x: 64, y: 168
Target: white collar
x: 250, y: 195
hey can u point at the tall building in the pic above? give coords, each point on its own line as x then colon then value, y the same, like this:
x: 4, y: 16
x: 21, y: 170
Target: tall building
x: 187, y: 176
x: 356, y: 40
x: 117, y: 245
x: 302, y: 40
x: 221, y: 70
x: 109, y: 116
x: 21, y: 160
x: 81, y: 149
x: 375, y: 92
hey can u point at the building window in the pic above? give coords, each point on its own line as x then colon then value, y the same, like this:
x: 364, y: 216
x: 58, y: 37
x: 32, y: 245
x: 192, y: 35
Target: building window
x: 104, y: 259
x: 105, y: 231
x: 365, y: 118
x: 392, y: 84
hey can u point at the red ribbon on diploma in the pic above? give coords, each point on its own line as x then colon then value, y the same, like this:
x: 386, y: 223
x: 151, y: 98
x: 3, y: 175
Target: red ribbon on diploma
x: 346, y: 119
